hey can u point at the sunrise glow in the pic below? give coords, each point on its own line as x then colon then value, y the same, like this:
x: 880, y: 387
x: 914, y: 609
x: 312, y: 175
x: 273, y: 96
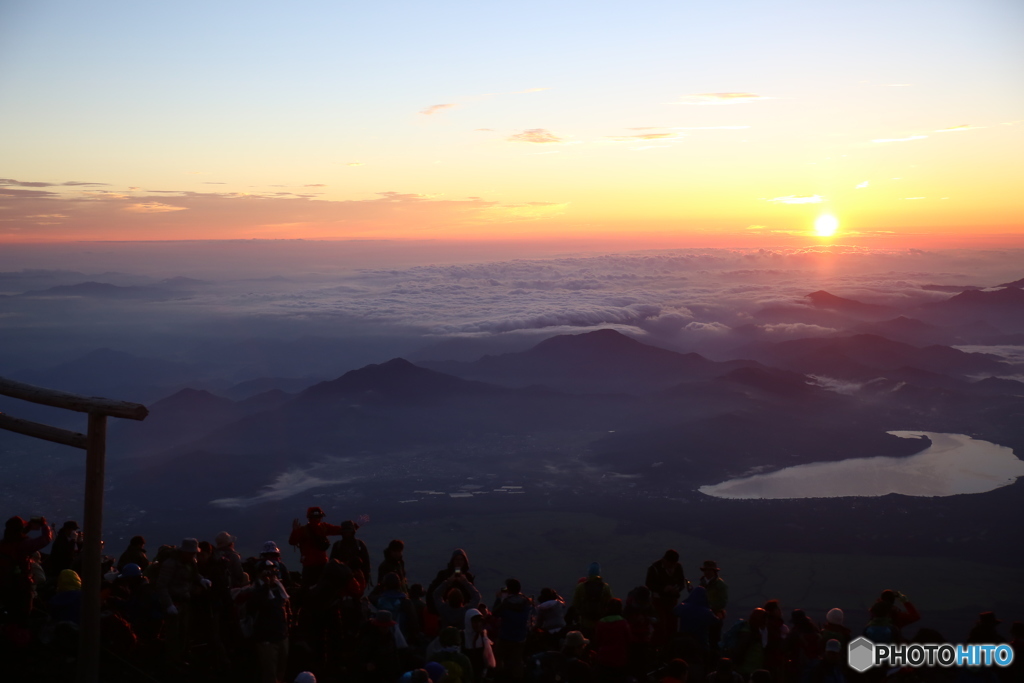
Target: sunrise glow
x: 440, y: 127
x: 826, y: 226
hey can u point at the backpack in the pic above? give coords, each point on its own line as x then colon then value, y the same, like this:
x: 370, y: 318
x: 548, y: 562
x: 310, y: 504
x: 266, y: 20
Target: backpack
x: 394, y: 604
x: 879, y: 633
x: 731, y: 638
x: 592, y: 606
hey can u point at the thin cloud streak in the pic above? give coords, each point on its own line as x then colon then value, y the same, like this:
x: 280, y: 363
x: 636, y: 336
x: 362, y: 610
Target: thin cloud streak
x: 435, y: 108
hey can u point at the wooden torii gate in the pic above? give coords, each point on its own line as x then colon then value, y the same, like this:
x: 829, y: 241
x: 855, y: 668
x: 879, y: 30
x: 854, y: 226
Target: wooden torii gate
x: 94, y: 442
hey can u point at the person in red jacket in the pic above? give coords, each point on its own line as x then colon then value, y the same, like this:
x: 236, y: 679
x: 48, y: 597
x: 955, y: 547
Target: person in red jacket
x: 612, y: 636
x: 311, y: 538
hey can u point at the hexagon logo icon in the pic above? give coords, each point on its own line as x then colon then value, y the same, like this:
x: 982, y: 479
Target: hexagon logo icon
x: 861, y: 654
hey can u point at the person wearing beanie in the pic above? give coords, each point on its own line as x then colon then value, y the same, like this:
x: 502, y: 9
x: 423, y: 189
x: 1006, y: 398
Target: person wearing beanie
x: 458, y: 666
x: 591, y: 598
x: 66, y: 605
x: 135, y: 553
x: 305, y: 677
x: 834, y: 628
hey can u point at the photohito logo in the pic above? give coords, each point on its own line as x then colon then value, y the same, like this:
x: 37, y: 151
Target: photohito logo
x: 863, y: 654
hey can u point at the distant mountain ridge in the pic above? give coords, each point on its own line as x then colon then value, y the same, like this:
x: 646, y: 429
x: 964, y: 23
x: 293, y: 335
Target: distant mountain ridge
x: 603, y: 360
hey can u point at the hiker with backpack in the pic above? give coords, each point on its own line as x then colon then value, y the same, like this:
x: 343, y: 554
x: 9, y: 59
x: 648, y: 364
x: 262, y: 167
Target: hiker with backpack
x: 590, y: 599
x: 388, y: 596
x: 352, y: 551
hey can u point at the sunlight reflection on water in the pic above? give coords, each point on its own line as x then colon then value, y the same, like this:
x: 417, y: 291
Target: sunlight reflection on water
x: 952, y: 465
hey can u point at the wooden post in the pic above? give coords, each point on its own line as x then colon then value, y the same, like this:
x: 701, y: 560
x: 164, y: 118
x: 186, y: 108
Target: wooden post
x: 92, y: 552
x: 95, y: 445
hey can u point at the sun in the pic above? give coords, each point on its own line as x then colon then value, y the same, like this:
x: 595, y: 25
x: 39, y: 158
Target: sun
x: 826, y: 226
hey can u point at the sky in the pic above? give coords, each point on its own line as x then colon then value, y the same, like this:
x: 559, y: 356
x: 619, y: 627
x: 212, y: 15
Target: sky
x: 648, y: 124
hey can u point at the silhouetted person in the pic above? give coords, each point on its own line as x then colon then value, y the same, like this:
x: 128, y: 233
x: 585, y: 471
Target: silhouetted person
x: 135, y: 553
x: 458, y: 565
x: 64, y: 550
x: 16, y: 550
x: 515, y: 610
x: 394, y: 562
x: 590, y: 599
x: 352, y: 551
x: 666, y: 580
x: 313, y: 543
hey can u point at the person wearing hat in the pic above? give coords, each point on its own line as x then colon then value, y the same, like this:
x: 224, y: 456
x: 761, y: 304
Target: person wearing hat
x: 271, y: 552
x: 718, y: 591
x: 227, y: 559
x: 65, y: 549
x: 352, y: 551
x: 178, y: 582
x: 313, y: 543
x: 985, y: 629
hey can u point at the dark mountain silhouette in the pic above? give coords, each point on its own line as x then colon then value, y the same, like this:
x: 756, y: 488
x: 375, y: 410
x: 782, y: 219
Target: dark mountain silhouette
x: 100, y: 290
x: 949, y: 288
x: 852, y: 307
x: 1019, y: 284
x: 904, y: 329
x: 601, y: 361
x: 999, y: 386
x: 183, y: 417
x: 252, y: 387
x: 1003, y: 308
x: 397, y: 379
x: 774, y: 382
x: 864, y: 356
x: 115, y: 374
x: 181, y: 281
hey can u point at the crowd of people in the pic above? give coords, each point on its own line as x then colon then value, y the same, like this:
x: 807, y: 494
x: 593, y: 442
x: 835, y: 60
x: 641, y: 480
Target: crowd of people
x: 198, y: 611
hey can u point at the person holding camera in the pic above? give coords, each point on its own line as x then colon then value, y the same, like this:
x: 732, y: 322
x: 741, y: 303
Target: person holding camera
x: 269, y: 606
x: 17, y: 589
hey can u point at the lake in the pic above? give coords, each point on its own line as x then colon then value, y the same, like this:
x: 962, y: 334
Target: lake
x: 954, y: 464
